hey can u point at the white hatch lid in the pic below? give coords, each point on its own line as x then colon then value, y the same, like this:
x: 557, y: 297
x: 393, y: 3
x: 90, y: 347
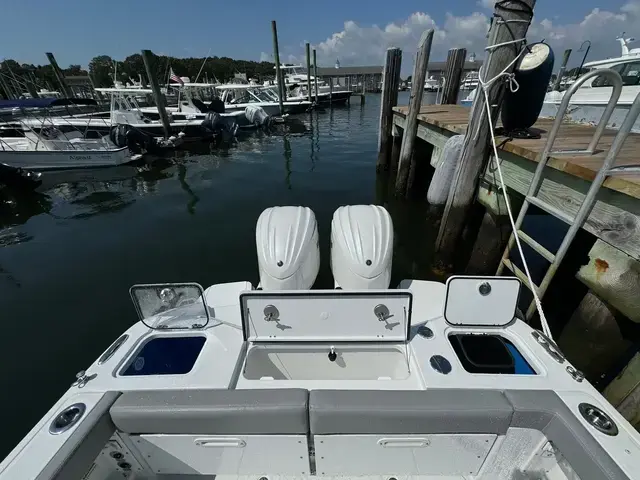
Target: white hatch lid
x: 326, y: 315
x: 481, y: 301
x: 170, y: 305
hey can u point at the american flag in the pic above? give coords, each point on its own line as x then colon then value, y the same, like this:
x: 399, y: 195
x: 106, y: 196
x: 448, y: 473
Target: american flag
x: 174, y: 78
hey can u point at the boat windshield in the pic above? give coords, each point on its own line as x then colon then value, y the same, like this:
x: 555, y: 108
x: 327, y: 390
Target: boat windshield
x: 629, y: 71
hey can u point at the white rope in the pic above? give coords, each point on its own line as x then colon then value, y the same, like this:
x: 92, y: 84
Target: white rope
x: 513, y: 85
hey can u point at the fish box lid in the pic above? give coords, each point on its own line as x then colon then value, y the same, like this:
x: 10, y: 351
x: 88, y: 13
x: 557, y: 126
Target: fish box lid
x: 326, y: 315
x: 481, y: 301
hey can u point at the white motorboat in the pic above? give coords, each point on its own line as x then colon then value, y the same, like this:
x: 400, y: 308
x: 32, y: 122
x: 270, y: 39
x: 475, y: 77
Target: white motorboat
x: 470, y: 81
x: 296, y: 84
x: 194, y: 101
x: 589, y: 101
x: 37, y: 145
x: 431, y: 84
x: 426, y: 381
x: 125, y: 110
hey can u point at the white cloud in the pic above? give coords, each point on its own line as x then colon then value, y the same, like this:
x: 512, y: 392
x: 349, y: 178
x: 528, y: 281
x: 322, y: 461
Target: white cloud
x: 486, y: 3
x: 366, y: 44
x: 266, y: 57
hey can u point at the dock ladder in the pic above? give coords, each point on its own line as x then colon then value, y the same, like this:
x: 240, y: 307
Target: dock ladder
x: 607, y: 169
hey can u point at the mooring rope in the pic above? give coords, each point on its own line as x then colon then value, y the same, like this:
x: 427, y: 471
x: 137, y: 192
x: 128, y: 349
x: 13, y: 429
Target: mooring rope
x: 513, y: 86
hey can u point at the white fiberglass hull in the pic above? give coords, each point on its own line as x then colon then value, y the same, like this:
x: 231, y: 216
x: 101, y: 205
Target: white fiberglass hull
x: 588, y: 104
x: 59, y: 159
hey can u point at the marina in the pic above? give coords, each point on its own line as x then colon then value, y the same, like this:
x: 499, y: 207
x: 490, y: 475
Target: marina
x: 273, y: 281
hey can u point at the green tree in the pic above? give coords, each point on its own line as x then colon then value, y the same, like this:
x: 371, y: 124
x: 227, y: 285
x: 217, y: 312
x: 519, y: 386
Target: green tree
x: 101, y: 70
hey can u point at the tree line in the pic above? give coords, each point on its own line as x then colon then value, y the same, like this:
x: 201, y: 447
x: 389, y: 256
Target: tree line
x: 103, y: 69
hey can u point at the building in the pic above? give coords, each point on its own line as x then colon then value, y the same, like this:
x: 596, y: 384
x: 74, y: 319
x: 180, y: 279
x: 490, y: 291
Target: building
x: 371, y: 77
x: 356, y: 78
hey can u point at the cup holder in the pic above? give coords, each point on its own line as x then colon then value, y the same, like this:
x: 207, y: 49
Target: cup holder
x: 67, y: 418
x: 598, y: 419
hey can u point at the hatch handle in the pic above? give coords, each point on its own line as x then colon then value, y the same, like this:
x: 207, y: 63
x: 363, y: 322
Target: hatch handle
x: 220, y: 442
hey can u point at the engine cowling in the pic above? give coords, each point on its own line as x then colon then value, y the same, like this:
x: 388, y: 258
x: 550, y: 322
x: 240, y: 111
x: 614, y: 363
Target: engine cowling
x: 361, y: 247
x: 287, y: 246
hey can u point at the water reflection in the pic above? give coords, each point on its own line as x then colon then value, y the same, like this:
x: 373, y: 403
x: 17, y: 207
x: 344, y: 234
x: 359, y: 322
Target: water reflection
x: 193, y: 198
x: 287, y: 162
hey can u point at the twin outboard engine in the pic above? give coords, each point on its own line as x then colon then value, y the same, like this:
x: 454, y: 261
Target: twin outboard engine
x: 361, y: 247
x: 288, y: 250
x: 289, y: 255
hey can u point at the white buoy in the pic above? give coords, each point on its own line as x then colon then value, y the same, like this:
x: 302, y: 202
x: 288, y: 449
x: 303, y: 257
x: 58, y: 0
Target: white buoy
x: 443, y: 176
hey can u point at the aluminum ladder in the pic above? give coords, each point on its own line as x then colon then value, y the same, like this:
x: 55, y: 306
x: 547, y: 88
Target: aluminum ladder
x: 607, y: 169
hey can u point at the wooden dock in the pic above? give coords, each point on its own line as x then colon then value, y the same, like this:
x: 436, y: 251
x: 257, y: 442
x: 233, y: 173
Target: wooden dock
x: 615, y: 218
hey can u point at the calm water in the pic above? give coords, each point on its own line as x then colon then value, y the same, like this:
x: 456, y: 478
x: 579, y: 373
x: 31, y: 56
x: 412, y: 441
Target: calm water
x: 69, y: 253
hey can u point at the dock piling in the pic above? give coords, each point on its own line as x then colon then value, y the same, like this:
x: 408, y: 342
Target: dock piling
x: 415, y: 102
x: 307, y: 48
x: 452, y: 75
x: 330, y: 90
x: 315, y: 74
x: 563, y: 67
x: 390, y: 83
x: 276, y: 58
x: 147, y: 58
x: 59, y: 75
x: 515, y: 19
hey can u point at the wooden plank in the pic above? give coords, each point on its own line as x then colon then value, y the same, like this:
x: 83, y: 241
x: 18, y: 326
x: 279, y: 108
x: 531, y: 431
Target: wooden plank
x: 415, y: 101
x: 615, y: 217
x: 454, y: 118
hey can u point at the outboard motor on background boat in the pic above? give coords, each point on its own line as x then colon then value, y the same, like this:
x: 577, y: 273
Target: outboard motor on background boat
x: 125, y: 136
x: 217, y: 124
x: 361, y: 247
x: 257, y: 116
x: 288, y: 250
x: 520, y: 109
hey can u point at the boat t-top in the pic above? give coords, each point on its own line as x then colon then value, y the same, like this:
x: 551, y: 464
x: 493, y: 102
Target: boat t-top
x: 425, y: 381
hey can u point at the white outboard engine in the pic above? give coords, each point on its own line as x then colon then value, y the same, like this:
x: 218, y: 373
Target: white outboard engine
x: 361, y: 247
x: 288, y: 251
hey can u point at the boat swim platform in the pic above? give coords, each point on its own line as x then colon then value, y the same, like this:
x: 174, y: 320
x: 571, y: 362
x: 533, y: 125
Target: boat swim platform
x: 615, y: 218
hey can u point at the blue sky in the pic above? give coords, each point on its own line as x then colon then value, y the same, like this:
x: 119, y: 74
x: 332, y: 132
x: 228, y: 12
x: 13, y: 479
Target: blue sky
x: 77, y: 30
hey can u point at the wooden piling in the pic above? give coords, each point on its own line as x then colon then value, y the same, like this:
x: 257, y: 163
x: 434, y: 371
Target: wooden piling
x: 475, y: 151
x: 452, y: 76
x: 276, y: 58
x: 59, y: 75
x: 415, y: 102
x: 307, y: 47
x: 31, y: 88
x: 396, y: 133
x: 624, y: 392
x: 563, y: 67
x: 592, y: 339
x: 390, y: 83
x: 147, y: 58
x: 315, y: 74
x: 330, y: 90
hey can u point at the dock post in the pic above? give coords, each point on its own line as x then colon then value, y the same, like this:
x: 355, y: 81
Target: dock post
x: 59, y: 75
x: 147, y: 58
x: 563, y: 67
x: 390, y: 82
x: 516, y: 16
x: 452, y: 75
x: 330, y: 90
x: 276, y: 58
x: 315, y: 74
x: 307, y: 47
x: 411, y: 125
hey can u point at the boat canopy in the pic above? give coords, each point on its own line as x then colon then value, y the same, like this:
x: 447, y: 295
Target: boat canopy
x: 45, y: 102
